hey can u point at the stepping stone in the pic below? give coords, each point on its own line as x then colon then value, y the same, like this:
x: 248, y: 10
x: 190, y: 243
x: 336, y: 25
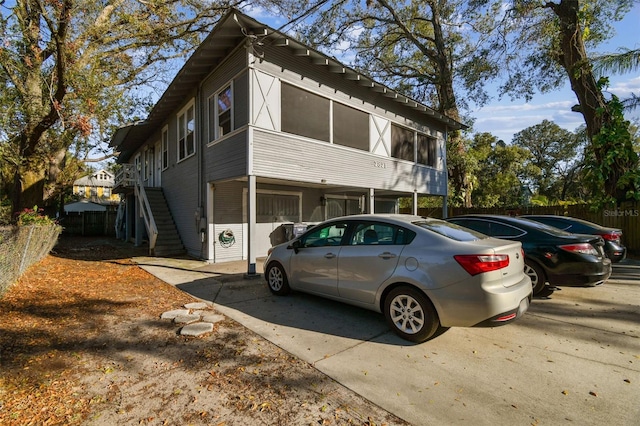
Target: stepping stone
x: 197, y: 329
x: 186, y: 319
x: 197, y: 305
x: 213, y: 318
x: 174, y: 313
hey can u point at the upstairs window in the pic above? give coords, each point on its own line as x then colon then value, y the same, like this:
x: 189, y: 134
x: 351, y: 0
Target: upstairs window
x: 350, y: 127
x: 186, y: 132
x: 221, y: 113
x: 427, y: 150
x: 402, y: 143
x: 305, y: 113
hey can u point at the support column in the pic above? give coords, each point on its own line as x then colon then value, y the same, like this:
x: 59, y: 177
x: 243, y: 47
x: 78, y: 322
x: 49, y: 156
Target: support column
x: 251, y: 225
x: 415, y: 202
x: 445, y: 207
x: 372, y: 201
x: 211, y: 239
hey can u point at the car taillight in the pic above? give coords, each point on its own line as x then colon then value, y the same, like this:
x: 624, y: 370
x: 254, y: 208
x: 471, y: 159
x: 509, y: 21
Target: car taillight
x: 611, y: 236
x: 476, y: 264
x: 582, y: 248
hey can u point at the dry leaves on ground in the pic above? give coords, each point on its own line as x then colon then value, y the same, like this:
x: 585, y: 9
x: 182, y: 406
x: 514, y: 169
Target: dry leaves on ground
x: 82, y: 342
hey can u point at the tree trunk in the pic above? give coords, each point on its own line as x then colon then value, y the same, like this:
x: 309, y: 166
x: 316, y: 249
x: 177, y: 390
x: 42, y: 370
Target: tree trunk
x: 593, y: 105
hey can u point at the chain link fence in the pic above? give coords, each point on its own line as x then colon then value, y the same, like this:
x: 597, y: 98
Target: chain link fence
x: 21, y: 247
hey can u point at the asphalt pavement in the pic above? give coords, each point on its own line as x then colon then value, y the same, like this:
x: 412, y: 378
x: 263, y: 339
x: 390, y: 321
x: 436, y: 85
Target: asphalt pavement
x: 574, y: 358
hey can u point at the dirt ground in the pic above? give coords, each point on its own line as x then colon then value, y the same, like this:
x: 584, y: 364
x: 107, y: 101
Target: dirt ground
x: 82, y: 342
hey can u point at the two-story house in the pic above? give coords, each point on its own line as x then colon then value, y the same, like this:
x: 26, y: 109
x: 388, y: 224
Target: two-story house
x: 97, y: 188
x: 257, y: 130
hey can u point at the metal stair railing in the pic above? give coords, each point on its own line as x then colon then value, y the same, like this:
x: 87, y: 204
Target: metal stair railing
x: 146, y: 213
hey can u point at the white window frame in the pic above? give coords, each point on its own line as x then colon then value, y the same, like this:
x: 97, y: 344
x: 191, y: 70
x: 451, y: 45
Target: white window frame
x: 165, y: 147
x: 184, y: 113
x: 214, y: 113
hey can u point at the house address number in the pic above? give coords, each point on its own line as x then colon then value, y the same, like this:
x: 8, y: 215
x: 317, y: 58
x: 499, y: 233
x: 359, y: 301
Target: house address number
x: 380, y: 164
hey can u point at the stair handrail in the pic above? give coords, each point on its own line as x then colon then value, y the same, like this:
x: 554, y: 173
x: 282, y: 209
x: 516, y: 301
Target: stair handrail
x: 126, y: 176
x: 146, y: 213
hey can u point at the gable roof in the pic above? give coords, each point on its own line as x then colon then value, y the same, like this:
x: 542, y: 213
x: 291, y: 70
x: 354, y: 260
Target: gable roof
x: 231, y: 30
x: 93, y: 179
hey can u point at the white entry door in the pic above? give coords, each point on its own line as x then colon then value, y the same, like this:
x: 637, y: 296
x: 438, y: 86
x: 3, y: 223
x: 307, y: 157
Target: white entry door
x: 157, y: 166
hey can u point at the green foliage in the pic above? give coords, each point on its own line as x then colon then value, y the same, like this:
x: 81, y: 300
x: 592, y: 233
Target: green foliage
x: 498, y: 172
x: 612, y: 161
x: 554, y: 161
x: 34, y: 216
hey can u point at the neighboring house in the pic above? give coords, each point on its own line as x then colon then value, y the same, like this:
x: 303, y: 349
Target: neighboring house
x: 97, y: 188
x: 258, y: 130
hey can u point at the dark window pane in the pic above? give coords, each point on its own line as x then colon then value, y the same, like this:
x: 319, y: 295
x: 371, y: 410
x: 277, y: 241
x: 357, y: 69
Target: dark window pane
x: 350, y: 127
x: 427, y: 150
x: 304, y: 113
x: 402, y: 143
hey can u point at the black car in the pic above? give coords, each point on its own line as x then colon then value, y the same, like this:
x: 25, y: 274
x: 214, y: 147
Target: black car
x: 552, y: 256
x: 613, y: 247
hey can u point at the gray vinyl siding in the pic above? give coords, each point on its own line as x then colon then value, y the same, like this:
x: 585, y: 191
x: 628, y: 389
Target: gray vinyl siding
x: 180, y: 185
x: 282, y: 156
x: 224, y: 73
x: 227, y: 159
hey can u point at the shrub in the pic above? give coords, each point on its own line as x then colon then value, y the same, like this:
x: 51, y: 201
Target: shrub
x: 34, y: 216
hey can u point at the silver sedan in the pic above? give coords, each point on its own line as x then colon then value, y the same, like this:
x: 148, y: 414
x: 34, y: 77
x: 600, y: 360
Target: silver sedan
x: 424, y: 274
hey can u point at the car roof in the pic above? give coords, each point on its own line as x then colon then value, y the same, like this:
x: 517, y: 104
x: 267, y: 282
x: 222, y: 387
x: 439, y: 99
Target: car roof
x: 572, y: 220
x: 399, y: 219
x: 512, y: 220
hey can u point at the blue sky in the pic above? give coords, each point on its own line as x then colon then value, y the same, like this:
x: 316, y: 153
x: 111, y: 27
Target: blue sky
x: 504, y: 118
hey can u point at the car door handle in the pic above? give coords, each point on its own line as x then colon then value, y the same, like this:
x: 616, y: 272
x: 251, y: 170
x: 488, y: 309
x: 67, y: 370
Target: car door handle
x: 329, y: 255
x: 387, y: 255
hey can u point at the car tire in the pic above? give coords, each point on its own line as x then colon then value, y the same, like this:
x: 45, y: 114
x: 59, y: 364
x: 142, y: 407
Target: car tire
x: 277, y: 280
x: 410, y: 314
x: 536, y: 274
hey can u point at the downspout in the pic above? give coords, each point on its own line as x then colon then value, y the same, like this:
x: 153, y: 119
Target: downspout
x: 201, y: 146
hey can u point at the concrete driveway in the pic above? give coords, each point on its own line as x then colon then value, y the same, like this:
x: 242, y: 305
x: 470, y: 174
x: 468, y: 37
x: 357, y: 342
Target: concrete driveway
x: 573, y: 358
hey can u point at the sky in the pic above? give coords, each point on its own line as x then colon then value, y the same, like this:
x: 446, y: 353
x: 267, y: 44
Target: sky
x: 503, y: 118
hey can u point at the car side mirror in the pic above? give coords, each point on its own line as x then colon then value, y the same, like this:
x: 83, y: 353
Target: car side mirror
x: 296, y: 245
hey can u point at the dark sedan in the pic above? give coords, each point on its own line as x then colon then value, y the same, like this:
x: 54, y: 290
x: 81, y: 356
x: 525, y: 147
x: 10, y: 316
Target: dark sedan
x: 613, y: 247
x: 552, y: 256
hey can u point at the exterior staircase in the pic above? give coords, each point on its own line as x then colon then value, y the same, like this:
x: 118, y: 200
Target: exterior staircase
x: 168, y: 241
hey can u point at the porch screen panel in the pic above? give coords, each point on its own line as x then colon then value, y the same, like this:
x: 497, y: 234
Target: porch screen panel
x: 277, y: 208
x: 402, y: 143
x: 304, y: 113
x: 342, y: 207
x: 350, y: 127
x: 427, y: 150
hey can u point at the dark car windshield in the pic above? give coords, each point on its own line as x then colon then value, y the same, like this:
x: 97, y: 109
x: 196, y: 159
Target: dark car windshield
x: 450, y: 230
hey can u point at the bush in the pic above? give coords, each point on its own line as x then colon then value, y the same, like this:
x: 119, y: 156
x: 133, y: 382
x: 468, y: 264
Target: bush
x: 34, y: 216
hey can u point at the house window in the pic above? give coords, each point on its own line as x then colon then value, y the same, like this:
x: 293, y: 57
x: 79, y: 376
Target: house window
x: 350, y: 127
x: 165, y: 147
x: 106, y: 192
x: 427, y: 150
x: 402, y: 143
x: 186, y: 132
x: 221, y: 113
x: 225, y: 103
x: 277, y: 208
x: 94, y: 191
x: 304, y: 113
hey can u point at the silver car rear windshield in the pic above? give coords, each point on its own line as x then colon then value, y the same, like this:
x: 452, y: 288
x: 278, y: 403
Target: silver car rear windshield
x: 450, y: 230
